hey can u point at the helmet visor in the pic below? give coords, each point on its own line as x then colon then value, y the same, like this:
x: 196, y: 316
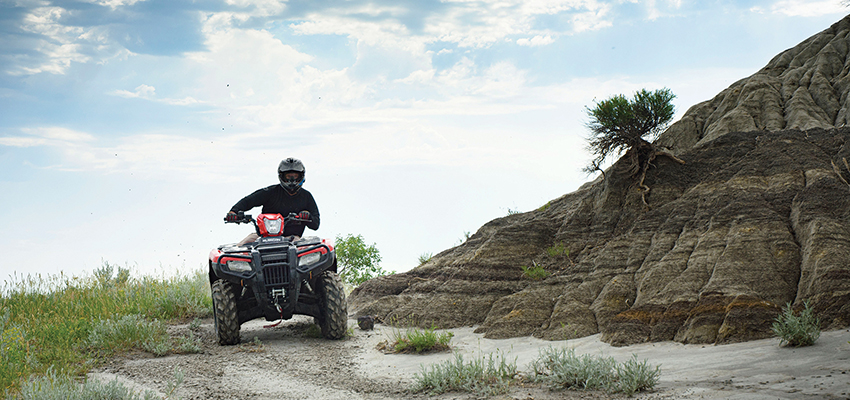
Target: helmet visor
x: 290, y: 177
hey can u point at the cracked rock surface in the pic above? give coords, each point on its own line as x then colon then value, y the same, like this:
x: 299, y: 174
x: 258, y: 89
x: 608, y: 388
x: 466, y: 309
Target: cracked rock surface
x: 751, y: 222
x: 758, y: 217
x: 804, y: 87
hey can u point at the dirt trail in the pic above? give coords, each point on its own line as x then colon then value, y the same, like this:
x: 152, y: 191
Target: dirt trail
x: 285, y: 363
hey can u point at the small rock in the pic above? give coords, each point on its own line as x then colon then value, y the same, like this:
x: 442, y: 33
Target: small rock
x: 366, y: 322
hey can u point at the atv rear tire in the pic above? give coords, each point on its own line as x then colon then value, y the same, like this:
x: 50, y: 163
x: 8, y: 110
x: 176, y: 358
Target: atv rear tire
x: 334, y: 309
x: 224, y: 312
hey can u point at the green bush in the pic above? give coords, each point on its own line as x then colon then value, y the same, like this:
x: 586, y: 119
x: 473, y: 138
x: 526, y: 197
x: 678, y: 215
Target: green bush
x: 535, y: 272
x: 634, y: 376
x: 490, y: 374
x: 619, y: 124
x: 797, y: 330
x: 104, y: 278
x: 563, y: 369
x: 419, y: 341
x: 425, y: 257
x: 357, y: 261
x: 188, y: 344
x: 557, y: 250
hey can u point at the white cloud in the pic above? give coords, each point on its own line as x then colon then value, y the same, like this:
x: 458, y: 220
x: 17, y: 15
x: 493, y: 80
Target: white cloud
x: 419, y: 77
x: 30, y: 3
x: 59, y: 134
x: 469, y: 24
x: 501, y: 80
x: 466, y: 80
x: 186, y: 101
x: 17, y: 141
x: 654, y: 11
x: 591, y: 20
x: 148, y: 92
x: 481, y: 24
x: 536, y: 41
x: 261, y: 7
x: 267, y: 83
x: 805, y: 8
x: 47, y: 136
x: 384, y: 33
x: 59, y: 45
x: 114, y: 4
x: 142, y: 91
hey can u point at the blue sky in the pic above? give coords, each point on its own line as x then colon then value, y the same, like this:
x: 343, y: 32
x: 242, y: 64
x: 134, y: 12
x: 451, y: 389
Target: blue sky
x: 128, y: 128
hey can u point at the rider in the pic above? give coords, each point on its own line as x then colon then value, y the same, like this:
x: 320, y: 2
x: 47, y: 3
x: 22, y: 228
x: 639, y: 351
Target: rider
x: 285, y: 198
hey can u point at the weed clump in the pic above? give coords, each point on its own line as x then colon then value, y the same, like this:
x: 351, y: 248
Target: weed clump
x: 128, y: 332
x: 535, y: 272
x: 418, y: 341
x: 563, y: 369
x: 56, y: 386
x: 797, y: 330
x: 490, y: 374
x: 425, y: 257
x: 134, y: 331
x: 557, y: 250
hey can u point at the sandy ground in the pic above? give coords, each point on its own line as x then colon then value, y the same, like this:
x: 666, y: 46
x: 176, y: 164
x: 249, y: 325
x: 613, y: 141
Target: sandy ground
x: 284, y: 362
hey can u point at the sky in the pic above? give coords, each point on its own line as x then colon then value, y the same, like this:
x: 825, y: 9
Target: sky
x: 128, y: 128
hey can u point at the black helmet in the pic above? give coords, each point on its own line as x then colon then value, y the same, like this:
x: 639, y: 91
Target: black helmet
x: 291, y: 165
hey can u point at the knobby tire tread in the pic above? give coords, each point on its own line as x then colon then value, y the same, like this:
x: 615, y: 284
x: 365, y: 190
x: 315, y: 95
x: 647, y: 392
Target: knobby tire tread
x: 334, y: 321
x: 224, y: 308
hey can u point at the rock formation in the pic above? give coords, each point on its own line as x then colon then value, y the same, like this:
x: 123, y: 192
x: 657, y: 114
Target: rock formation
x: 759, y: 216
x: 804, y: 87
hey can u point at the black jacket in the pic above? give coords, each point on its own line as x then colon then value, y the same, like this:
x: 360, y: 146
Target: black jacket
x: 275, y: 200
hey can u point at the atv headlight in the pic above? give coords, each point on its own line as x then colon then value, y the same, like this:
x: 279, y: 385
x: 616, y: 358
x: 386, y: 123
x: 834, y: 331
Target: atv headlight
x: 238, y: 265
x: 311, y: 258
x: 273, y: 226
x: 234, y: 248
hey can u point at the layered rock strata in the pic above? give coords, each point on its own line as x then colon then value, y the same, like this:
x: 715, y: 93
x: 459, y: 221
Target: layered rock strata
x: 757, y: 217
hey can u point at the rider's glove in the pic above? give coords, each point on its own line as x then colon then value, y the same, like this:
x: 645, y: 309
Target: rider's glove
x: 305, y: 215
x: 231, y: 217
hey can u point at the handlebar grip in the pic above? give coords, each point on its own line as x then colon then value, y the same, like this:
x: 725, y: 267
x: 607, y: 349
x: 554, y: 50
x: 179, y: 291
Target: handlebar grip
x: 241, y: 218
x: 296, y: 217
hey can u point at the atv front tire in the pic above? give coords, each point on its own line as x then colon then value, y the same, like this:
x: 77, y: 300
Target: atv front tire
x: 224, y: 311
x: 334, y: 309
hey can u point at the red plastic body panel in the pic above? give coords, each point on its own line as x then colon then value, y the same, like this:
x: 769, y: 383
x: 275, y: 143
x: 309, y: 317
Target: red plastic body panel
x: 319, y: 250
x: 261, y: 224
x: 224, y: 260
x: 214, y: 255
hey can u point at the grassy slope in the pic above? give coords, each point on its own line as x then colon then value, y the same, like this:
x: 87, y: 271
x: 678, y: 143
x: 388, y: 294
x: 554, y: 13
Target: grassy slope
x: 45, y: 322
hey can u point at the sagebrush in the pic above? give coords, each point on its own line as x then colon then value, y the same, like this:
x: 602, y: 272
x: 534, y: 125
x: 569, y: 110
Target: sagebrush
x: 797, y: 330
x: 561, y: 368
x: 485, y: 374
x: 558, y: 368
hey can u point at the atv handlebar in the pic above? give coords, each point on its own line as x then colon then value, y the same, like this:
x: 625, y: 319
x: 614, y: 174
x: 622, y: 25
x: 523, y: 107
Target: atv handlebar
x: 242, y: 218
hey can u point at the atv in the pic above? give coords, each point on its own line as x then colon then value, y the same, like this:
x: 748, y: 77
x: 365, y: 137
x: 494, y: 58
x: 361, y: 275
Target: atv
x: 276, y: 277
